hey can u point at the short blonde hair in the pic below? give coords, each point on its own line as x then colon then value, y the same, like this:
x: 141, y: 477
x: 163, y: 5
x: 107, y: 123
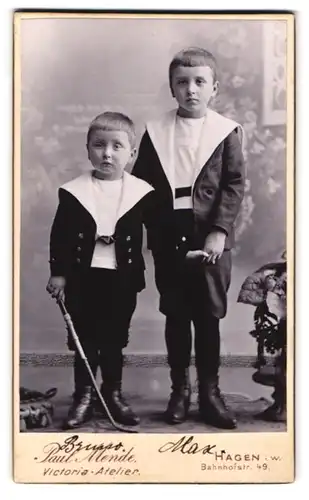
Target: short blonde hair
x: 111, y: 120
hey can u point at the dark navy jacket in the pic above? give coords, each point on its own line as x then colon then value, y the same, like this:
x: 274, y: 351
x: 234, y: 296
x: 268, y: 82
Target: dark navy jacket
x: 73, y: 233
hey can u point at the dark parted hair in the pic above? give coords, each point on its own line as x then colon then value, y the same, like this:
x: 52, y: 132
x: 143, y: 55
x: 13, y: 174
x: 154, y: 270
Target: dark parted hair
x: 111, y: 120
x: 191, y: 57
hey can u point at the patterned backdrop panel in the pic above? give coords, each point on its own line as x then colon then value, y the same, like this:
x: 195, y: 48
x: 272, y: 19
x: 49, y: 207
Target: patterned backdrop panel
x: 74, y: 69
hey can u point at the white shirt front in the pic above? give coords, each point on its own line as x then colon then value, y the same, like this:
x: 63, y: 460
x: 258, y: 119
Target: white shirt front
x: 187, y: 138
x: 107, y: 196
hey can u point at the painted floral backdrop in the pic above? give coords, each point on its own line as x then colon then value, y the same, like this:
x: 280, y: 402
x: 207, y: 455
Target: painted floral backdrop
x: 74, y: 70
x: 260, y: 228
x: 57, y: 110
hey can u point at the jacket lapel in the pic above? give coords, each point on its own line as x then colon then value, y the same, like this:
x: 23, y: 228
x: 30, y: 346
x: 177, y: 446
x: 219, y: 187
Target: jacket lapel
x: 133, y: 191
x: 162, y: 132
x: 82, y: 189
x: 215, y: 129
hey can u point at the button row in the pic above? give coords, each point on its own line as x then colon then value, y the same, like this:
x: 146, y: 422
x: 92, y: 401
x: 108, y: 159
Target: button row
x: 183, y: 238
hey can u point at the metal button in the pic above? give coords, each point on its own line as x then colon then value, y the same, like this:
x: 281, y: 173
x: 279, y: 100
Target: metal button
x: 128, y: 238
x: 79, y: 249
x: 78, y: 260
x: 177, y: 247
x: 81, y: 235
x: 183, y: 238
x: 130, y: 250
x: 130, y: 261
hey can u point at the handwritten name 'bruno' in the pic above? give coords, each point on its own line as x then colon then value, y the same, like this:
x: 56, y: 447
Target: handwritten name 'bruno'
x: 73, y: 449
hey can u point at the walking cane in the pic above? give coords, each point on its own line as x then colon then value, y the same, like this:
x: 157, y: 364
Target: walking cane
x: 70, y: 325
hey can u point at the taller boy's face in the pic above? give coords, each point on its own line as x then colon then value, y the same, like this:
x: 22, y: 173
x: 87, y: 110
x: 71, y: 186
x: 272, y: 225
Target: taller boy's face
x: 109, y: 152
x: 193, y: 87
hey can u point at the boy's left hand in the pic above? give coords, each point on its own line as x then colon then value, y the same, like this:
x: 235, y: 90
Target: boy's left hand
x: 214, y: 246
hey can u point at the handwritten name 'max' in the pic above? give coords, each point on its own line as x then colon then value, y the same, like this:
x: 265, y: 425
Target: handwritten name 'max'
x: 187, y: 445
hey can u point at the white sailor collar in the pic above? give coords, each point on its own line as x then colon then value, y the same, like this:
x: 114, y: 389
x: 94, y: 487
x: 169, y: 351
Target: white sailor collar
x: 133, y: 191
x: 214, y: 130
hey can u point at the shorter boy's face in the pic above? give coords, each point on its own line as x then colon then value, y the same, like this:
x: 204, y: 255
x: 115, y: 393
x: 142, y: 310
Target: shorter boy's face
x: 193, y: 87
x: 109, y: 152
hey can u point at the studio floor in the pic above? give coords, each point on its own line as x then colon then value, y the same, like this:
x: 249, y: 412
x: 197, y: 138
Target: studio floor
x: 147, y: 391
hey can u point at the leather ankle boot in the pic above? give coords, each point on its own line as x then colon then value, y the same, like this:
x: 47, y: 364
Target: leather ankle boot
x: 179, y: 402
x: 117, y: 405
x: 81, y: 409
x: 212, y: 406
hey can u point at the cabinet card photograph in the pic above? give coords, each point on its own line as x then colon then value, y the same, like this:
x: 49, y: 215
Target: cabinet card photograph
x: 153, y: 247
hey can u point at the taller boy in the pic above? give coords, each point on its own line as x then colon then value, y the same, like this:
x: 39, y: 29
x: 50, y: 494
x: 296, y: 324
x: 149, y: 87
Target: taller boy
x: 193, y: 158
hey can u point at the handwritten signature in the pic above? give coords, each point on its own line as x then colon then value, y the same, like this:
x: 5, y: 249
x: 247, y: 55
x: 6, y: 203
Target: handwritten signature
x: 187, y: 446
x: 73, y: 449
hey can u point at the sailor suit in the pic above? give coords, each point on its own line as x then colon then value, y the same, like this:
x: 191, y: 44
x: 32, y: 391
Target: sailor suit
x: 96, y: 244
x: 197, y: 170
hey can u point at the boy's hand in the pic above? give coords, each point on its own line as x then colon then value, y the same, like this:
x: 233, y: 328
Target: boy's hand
x: 214, y: 246
x: 55, y: 287
x: 196, y: 255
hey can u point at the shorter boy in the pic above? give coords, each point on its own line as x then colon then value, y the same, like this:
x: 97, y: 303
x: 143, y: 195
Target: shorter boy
x: 96, y: 261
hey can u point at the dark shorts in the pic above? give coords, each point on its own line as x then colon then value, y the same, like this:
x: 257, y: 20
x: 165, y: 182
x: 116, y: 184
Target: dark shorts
x: 185, y: 284
x: 199, y: 286
x: 101, y: 305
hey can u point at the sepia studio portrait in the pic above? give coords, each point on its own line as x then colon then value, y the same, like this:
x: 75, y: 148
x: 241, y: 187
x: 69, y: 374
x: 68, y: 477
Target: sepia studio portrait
x: 153, y: 244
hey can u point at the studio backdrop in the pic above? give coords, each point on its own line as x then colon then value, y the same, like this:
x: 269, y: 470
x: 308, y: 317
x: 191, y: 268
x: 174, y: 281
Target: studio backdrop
x: 72, y: 70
